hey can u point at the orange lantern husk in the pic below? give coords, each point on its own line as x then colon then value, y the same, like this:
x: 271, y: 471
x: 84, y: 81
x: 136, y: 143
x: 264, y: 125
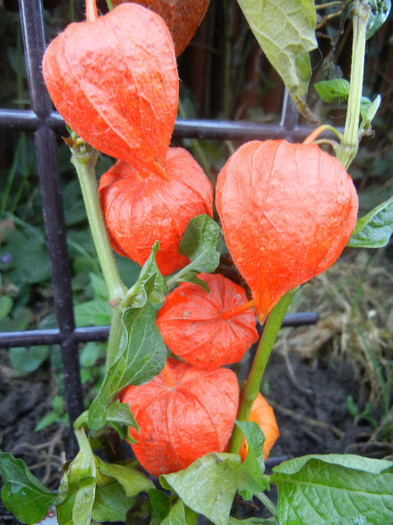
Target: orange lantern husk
x: 182, y: 414
x: 208, y: 329
x: 287, y: 212
x: 181, y: 16
x: 140, y: 208
x: 114, y: 80
x: 262, y: 414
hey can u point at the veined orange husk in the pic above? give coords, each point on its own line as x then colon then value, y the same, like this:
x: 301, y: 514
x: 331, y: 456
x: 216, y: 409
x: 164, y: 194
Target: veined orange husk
x: 262, y: 414
x: 192, y: 325
x: 182, y: 414
x: 182, y: 17
x: 140, y: 208
x: 287, y: 212
x: 114, y: 81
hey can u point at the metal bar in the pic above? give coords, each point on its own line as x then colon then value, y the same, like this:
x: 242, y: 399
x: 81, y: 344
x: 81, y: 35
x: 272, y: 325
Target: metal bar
x: 100, y: 333
x: 34, y: 45
x: 300, y: 319
x: 200, y: 129
x: 18, y: 119
x: 52, y: 336
x: 237, y: 130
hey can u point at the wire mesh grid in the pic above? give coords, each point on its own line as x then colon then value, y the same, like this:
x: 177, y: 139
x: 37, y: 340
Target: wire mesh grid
x: 45, y: 123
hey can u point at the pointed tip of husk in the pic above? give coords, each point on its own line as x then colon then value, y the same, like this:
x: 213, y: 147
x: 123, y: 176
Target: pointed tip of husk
x: 161, y: 171
x: 261, y: 309
x: 261, y: 316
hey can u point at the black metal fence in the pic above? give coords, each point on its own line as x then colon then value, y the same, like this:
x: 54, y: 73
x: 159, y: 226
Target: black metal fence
x: 45, y: 123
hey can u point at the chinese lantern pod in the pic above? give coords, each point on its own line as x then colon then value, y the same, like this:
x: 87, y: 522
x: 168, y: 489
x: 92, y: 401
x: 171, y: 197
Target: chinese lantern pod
x: 287, y: 212
x: 182, y: 414
x: 181, y: 16
x: 194, y: 325
x: 262, y: 414
x: 114, y: 80
x: 140, y: 208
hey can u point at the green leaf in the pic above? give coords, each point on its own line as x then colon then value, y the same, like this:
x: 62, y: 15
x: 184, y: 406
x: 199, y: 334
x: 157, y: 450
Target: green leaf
x: 74, y: 209
x: 333, y: 488
x: 208, y: 485
x: 333, y: 91
x: 285, y: 30
x: 370, y: 109
x: 117, y: 486
x: 336, y: 90
x: 255, y: 440
x: 132, y: 480
x: 49, y: 419
x: 93, y: 313
x: 129, y: 270
x: 90, y: 354
x: 192, y: 277
x: 144, y: 353
x: 251, y: 479
x: 199, y: 244
x: 28, y: 359
x: 22, y: 493
x: 160, y: 503
x: 6, y: 304
x: 119, y: 417
x: 180, y: 515
x: 380, y: 10
x: 375, y: 228
x: 111, y: 503
x: 58, y: 414
x: 99, y: 287
x: 79, y: 486
x: 151, y: 284
x: 141, y: 357
x: 16, y: 246
x: 19, y: 320
x: 82, y: 511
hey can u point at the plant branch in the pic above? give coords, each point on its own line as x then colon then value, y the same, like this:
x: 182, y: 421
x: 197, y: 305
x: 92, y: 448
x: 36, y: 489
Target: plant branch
x: 84, y: 159
x: 114, y: 335
x: 329, y: 4
x: 350, y: 144
x: 267, y: 502
x: 251, y: 387
x: 320, y: 129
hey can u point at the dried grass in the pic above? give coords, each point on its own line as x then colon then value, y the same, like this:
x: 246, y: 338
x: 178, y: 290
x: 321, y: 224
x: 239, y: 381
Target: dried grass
x: 354, y: 300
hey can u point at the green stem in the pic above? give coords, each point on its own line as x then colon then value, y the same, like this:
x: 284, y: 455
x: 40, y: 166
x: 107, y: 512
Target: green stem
x: 84, y: 159
x: 320, y: 129
x: 114, y: 335
x: 267, y: 502
x: 251, y: 387
x: 350, y: 144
